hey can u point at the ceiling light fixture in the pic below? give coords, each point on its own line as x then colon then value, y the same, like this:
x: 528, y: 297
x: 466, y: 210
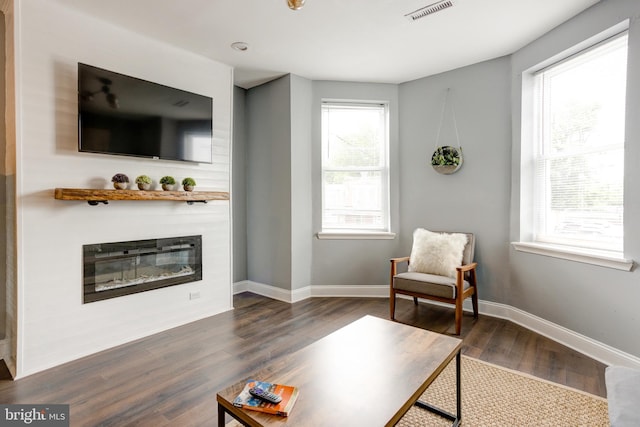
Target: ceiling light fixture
x: 295, y: 4
x: 240, y: 46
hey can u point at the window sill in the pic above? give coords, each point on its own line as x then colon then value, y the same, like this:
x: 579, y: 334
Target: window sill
x: 588, y: 257
x: 356, y: 235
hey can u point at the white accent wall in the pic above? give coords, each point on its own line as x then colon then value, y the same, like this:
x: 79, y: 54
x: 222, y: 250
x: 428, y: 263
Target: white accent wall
x: 54, y: 326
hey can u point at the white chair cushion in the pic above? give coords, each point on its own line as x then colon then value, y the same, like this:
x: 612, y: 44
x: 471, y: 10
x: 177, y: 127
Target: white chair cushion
x: 436, y: 253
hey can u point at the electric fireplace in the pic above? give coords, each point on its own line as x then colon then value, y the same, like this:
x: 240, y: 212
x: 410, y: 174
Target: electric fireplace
x: 116, y: 269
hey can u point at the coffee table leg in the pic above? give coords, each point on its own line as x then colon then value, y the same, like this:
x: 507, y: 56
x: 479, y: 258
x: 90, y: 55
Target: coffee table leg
x: 458, y: 391
x: 456, y: 419
x: 222, y: 416
x: 221, y: 412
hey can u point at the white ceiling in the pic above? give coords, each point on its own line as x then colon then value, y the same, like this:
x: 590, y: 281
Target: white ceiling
x: 346, y: 40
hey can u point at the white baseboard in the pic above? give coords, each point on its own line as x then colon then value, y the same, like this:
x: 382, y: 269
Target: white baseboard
x: 272, y: 292
x: 583, y: 344
x: 240, y: 287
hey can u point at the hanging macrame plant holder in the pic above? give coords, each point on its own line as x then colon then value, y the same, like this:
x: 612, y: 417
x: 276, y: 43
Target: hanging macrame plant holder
x: 447, y: 159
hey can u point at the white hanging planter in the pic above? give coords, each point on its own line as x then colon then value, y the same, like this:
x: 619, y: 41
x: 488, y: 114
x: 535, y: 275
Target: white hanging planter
x: 447, y: 159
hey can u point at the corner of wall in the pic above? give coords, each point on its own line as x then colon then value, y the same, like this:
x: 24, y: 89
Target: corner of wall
x: 8, y: 285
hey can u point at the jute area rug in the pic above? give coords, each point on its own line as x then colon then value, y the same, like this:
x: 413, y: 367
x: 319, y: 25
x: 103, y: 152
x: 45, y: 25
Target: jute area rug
x: 499, y: 397
x: 495, y: 396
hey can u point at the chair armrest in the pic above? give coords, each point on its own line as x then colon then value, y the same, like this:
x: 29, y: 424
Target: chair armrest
x: 399, y: 260
x: 467, y: 267
x: 394, y: 267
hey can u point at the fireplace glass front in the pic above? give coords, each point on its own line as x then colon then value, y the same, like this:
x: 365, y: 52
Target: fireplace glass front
x: 117, y: 269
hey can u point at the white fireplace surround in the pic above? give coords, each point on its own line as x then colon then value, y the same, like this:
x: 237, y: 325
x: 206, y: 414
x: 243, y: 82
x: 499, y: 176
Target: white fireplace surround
x: 53, y: 326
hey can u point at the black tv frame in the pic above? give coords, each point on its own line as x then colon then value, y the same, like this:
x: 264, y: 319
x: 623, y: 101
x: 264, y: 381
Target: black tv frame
x: 124, y: 115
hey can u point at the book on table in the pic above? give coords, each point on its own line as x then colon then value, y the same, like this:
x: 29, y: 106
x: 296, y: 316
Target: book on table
x: 288, y: 393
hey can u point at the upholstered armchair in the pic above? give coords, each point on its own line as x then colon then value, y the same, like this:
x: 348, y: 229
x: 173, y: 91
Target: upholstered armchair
x: 440, y: 268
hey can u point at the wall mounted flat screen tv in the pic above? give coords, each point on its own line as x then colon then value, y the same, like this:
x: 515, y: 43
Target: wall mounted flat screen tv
x: 119, y: 114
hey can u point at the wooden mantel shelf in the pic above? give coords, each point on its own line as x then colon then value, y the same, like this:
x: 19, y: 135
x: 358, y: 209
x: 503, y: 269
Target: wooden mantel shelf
x: 93, y: 197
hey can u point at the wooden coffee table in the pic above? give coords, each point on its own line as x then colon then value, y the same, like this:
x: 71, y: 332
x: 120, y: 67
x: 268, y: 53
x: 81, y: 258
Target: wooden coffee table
x: 369, y: 373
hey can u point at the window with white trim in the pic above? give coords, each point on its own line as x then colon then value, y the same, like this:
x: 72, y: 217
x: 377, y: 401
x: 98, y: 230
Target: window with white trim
x: 578, y: 149
x: 355, y: 167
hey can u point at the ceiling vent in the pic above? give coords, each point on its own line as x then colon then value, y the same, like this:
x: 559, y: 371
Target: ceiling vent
x: 428, y: 10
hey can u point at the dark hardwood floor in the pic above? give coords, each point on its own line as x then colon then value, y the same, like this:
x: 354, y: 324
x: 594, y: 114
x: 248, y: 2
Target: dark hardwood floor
x: 171, y: 378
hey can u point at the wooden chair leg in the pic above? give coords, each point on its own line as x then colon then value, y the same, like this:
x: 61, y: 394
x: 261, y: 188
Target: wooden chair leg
x: 392, y: 292
x: 474, y: 301
x: 474, y: 297
x: 415, y: 300
x: 392, y: 305
x: 458, y: 315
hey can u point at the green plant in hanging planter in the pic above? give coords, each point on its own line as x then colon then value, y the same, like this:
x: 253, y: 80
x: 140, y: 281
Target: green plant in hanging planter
x: 446, y: 156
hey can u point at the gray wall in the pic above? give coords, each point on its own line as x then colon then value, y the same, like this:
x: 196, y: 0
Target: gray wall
x: 598, y: 302
x: 279, y: 185
x: 419, y: 196
x: 269, y: 183
x: 483, y: 197
x: 301, y: 183
x: 239, y: 186
x: 476, y: 198
x: 354, y: 262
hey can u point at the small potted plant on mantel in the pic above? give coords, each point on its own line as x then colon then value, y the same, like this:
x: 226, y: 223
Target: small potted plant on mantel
x: 120, y: 181
x: 167, y: 182
x: 188, y: 184
x: 144, y: 182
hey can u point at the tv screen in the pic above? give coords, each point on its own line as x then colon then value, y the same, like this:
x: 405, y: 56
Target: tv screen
x: 124, y: 115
